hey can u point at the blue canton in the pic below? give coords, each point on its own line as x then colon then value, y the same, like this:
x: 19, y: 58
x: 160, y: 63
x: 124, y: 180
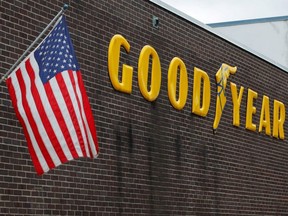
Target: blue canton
x: 56, y: 54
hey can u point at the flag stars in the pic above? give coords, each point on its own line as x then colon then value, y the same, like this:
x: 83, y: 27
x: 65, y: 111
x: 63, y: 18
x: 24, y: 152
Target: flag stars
x: 55, y: 54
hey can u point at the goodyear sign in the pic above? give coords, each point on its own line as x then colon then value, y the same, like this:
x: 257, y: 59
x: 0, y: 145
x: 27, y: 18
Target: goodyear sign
x: 200, y: 100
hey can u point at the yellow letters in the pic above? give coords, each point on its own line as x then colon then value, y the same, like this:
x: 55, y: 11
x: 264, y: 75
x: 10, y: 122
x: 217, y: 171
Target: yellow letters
x: 143, y: 66
x: 265, y: 116
x: 172, y: 83
x: 222, y: 76
x: 236, y: 103
x: 113, y: 65
x: 278, y: 120
x: 199, y: 76
x: 149, y: 81
x: 250, y: 110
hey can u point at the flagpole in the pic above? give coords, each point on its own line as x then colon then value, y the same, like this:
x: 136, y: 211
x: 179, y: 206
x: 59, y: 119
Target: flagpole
x: 65, y: 6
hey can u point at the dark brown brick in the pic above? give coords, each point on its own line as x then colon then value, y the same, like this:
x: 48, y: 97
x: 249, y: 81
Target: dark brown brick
x: 154, y: 160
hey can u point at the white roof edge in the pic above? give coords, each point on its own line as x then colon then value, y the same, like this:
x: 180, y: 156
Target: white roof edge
x: 248, y: 21
x: 208, y: 28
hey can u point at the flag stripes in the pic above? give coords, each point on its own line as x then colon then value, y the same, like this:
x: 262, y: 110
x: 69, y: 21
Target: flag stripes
x: 54, y: 116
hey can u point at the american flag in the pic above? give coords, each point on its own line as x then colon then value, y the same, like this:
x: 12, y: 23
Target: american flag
x: 51, y: 103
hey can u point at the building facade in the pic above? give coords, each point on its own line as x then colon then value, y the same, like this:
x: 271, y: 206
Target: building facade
x: 159, y: 153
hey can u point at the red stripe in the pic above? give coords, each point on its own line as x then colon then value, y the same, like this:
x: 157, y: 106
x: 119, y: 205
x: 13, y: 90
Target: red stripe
x: 88, y: 112
x: 43, y: 115
x: 69, y: 104
x: 33, y: 155
x: 33, y: 123
x: 80, y: 109
x: 60, y: 119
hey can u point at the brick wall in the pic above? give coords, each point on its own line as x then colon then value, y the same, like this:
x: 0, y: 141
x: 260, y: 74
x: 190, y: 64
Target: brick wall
x: 154, y: 159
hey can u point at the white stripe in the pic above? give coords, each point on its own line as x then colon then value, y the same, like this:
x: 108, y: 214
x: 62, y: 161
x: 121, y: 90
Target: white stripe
x: 66, y: 115
x: 34, y: 111
x: 50, y: 113
x: 86, y: 141
x: 73, y: 98
x: 90, y: 141
x: 18, y: 94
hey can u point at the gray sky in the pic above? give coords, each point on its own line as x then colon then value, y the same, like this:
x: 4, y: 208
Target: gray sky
x: 211, y: 11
